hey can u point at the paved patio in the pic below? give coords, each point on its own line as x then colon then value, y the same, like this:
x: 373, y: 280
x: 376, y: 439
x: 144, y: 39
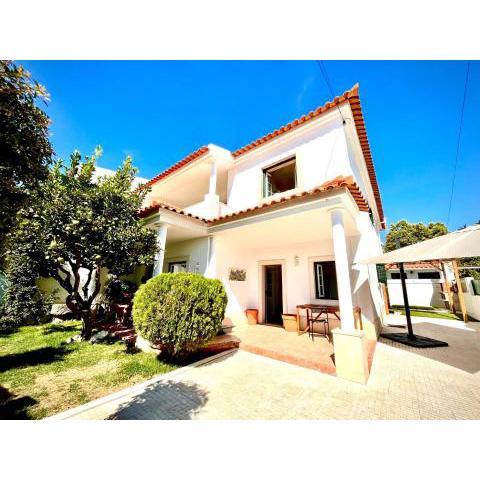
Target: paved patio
x: 405, y: 383
x: 274, y: 342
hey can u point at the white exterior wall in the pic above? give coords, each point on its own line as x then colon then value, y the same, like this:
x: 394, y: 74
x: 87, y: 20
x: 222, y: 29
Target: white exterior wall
x: 194, y: 252
x: 424, y: 293
x: 413, y: 274
x: 298, y: 275
x: 202, y: 209
x: 366, y: 289
x: 472, y: 302
x: 322, y: 154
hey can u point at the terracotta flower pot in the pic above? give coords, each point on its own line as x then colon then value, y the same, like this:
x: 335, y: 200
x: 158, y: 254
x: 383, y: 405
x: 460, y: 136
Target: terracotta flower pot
x: 289, y: 322
x: 252, y: 316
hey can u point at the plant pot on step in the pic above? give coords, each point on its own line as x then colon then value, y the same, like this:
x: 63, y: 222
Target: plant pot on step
x: 252, y: 316
x: 289, y: 322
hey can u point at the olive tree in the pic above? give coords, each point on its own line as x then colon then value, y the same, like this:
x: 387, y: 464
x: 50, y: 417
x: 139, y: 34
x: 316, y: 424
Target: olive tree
x: 79, y: 225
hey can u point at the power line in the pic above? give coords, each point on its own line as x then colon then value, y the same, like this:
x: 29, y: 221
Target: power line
x: 323, y: 70
x: 458, y: 142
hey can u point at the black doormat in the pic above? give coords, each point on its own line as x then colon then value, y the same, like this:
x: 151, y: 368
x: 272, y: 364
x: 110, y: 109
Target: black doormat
x: 417, y: 340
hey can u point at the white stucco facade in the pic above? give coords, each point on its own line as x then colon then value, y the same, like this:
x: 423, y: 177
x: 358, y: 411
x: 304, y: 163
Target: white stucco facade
x: 306, y: 229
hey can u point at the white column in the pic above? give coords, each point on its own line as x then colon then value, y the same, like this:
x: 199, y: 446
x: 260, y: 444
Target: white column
x: 211, y: 270
x: 211, y: 199
x: 161, y: 241
x: 212, y: 187
x: 342, y: 268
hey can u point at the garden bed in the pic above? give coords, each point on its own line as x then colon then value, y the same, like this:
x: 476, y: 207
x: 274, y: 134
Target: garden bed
x: 41, y: 375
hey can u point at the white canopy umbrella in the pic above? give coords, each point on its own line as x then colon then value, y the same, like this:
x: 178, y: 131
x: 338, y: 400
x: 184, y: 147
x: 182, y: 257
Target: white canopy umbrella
x: 459, y: 244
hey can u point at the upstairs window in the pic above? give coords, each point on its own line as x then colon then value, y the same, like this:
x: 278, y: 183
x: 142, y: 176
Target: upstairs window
x: 280, y: 177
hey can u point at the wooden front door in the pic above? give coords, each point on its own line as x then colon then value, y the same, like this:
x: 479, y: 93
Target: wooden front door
x: 273, y: 294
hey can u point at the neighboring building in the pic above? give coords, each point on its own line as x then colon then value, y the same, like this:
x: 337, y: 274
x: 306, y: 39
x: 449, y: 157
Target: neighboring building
x: 107, y: 172
x: 292, y: 211
x: 425, y: 283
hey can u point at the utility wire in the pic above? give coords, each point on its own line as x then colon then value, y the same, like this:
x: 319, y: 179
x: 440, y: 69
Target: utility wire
x: 323, y: 70
x: 458, y: 142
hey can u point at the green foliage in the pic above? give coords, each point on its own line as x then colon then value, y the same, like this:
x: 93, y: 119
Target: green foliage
x: 41, y: 375
x: 180, y: 311
x: 24, y: 304
x: 79, y: 222
x: 382, y: 274
x: 3, y: 287
x: 25, y: 149
x: 403, y: 233
x: 118, y: 290
x: 470, y: 262
x: 476, y: 287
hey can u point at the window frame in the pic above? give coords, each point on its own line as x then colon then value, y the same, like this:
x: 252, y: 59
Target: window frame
x: 177, y: 262
x: 319, y: 291
x: 319, y: 288
x: 266, y: 191
x: 420, y: 275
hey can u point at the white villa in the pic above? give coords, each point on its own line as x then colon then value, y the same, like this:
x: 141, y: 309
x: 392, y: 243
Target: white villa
x: 292, y: 211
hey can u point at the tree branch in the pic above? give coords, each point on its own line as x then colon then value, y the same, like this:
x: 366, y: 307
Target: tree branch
x: 64, y: 282
x: 96, y: 290
x: 87, y: 283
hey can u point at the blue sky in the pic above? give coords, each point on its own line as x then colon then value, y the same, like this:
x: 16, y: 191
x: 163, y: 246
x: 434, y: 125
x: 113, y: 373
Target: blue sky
x: 160, y: 111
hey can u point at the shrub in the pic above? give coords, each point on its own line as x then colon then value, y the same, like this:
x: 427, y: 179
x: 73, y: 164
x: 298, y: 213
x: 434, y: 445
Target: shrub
x: 24, y: 303
x: 179, y: 311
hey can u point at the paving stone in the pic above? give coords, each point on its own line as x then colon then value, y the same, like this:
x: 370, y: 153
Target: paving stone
x: 405, y: 383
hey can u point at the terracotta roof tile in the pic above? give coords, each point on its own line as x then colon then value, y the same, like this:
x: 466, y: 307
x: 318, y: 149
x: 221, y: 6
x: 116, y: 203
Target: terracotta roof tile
x: 156, y: 206
x: 352, y: 97
x: 335, y: 184
x: 415, y: 265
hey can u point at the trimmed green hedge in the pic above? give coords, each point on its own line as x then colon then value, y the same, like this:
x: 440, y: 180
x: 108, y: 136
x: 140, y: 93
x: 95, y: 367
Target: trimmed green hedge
x: 180, y: 311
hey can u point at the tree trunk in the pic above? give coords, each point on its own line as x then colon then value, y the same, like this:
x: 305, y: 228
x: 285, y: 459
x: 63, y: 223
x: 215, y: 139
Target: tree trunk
x: 87, y: 326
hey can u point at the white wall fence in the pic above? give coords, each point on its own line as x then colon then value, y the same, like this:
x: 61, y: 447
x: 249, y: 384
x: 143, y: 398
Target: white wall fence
x: 422, y: 293
x: 472, y: 301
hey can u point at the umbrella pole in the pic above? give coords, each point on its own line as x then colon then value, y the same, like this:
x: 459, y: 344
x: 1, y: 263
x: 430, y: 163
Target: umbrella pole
x: 405, y: 302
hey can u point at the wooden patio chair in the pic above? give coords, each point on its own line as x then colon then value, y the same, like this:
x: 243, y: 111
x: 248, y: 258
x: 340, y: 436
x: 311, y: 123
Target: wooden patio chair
x: 317, y: 315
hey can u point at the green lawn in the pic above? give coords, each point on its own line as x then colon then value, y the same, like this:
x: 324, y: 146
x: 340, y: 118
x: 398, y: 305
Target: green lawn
x: 428, y: 313
x: 40, y: 375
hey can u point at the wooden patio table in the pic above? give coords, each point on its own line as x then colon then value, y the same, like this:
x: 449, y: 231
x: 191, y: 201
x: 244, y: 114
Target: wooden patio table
x: 308, y: 306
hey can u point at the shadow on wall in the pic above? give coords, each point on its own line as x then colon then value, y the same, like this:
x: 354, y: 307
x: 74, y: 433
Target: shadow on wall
x: 168, y: 400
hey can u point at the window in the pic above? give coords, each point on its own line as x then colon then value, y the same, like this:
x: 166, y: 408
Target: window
x: 280, y: 178
x: 429, y: 275
x: 325, y: 281
x: 395, y: 275
x: 175, y: 267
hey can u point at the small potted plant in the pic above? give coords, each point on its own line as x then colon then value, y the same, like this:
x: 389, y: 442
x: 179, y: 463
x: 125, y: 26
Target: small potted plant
x: 289, y: 322
x: 252, y: 316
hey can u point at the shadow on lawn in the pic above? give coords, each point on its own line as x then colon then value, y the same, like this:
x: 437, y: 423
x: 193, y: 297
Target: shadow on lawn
x: 14, y: 408
x: 164, y: 400
x: 33, y: 357
x: 56, y: 328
